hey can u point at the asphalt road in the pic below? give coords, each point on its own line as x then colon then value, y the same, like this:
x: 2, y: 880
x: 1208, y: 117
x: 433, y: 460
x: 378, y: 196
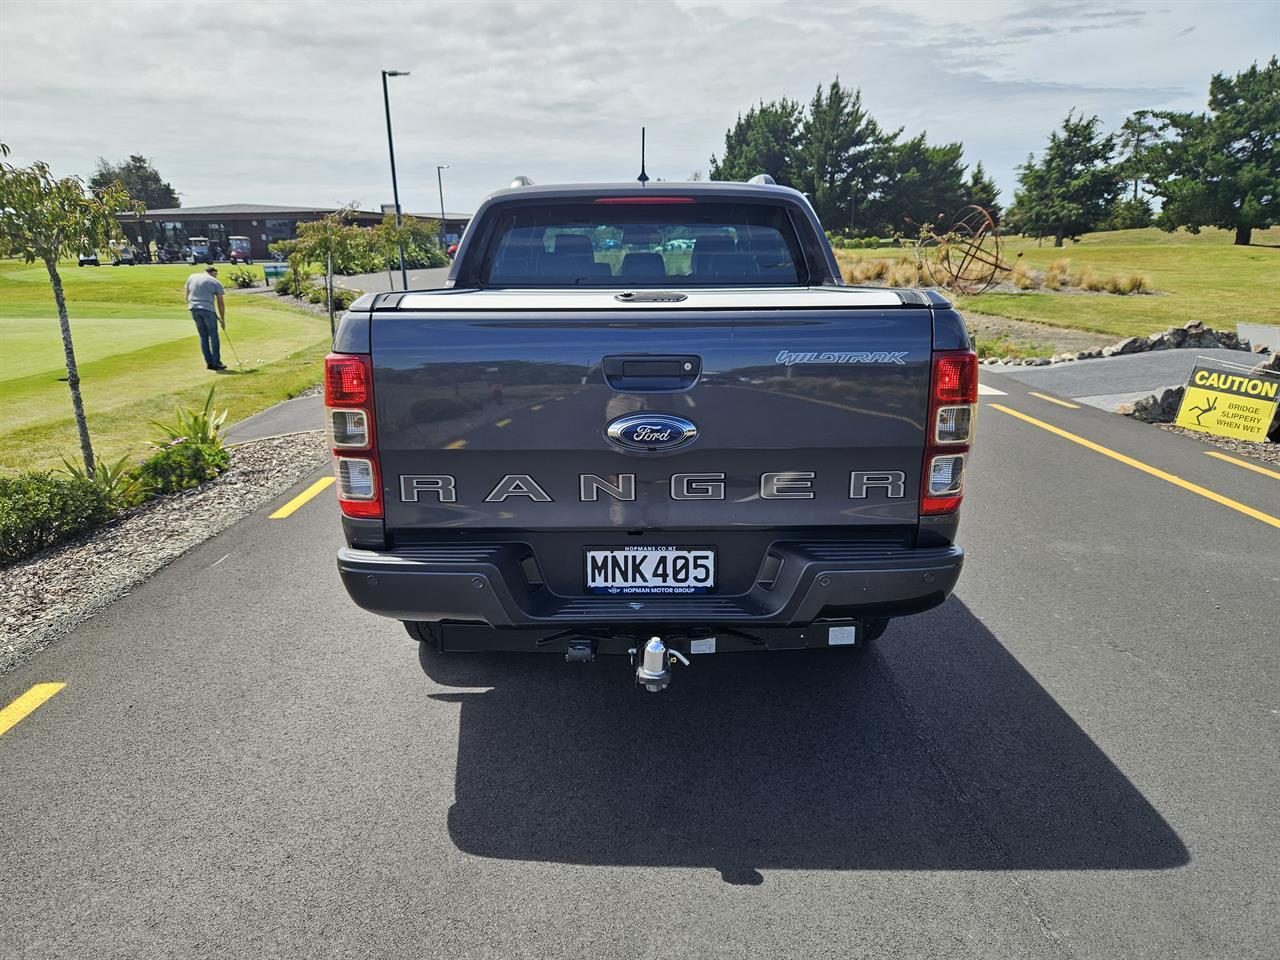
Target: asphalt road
x: 1075, y: 757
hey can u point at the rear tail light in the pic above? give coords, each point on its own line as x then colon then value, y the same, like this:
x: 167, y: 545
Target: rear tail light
x: 348, y: 429
x: 346, y: 380
x: 349, y: 422
x: 953, y: 398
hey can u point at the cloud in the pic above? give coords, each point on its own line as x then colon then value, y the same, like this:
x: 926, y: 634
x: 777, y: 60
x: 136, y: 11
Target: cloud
x: 282, y: 102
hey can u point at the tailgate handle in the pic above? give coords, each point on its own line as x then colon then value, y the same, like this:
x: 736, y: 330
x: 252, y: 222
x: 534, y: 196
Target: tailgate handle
x: 649, y: 373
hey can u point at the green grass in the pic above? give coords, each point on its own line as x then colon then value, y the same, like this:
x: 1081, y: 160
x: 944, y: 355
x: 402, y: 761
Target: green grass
x: 1202, y: 277
x: 138, y: 356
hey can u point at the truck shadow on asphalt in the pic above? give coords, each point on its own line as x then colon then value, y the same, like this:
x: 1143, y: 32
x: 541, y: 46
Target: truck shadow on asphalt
x: 935, y: 750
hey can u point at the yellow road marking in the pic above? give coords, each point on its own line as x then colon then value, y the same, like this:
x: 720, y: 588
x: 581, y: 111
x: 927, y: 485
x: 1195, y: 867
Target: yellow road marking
x: 503, y: 422
x: 538, y: 407
x: 456, y: 445
x: 1243, y: 463
x: 26, y: 703
x: 300, y: 499
x: 1145, y: 468
x: 1061, y: 403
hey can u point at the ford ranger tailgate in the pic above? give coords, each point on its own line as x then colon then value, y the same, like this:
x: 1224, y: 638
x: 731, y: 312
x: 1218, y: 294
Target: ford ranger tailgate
x: 807, y: 408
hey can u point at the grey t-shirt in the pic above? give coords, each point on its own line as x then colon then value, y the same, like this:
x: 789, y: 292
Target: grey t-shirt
x: 203, y: 291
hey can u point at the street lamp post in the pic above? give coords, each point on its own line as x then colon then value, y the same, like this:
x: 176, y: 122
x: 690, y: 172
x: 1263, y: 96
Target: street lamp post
x: 395, y: 189
x: 440, y: 184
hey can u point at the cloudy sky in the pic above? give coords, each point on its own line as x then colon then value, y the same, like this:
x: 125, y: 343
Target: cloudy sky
x: 281, y: 102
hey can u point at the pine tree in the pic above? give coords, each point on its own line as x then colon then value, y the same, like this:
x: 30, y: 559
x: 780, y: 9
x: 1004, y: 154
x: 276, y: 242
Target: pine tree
x: 1222, y: 168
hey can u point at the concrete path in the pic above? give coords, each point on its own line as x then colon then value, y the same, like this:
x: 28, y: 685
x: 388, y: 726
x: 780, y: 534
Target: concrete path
x: 1108, y: 382
x: 428, y: 279
x: 299, y: 415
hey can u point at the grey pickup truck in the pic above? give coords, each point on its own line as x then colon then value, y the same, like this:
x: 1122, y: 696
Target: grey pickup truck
x: 649, y: 419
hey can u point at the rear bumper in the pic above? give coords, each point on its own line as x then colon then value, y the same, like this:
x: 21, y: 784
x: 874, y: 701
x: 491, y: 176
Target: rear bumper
x: 486, y: 584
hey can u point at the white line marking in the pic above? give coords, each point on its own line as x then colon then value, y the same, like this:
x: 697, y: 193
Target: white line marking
x: 219, y: 560
x: 985, y: 391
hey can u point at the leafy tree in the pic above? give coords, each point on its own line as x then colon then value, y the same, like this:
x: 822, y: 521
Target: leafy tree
x: 981, y: 190
x: 765, y: 140
x: 1072, y: 189
x: 1222, y: 168
x: 845, y: 154
x: 922, y: 182
x: 139, y: 179
x: 45, y: 219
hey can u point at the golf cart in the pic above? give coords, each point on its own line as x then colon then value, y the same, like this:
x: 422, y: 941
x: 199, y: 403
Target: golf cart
x: 89, y: 259
x: 123, y: 257
x: 199, y: 250
x: 241, y: 250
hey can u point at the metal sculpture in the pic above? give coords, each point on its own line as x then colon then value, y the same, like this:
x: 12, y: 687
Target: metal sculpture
x: 969, y: 252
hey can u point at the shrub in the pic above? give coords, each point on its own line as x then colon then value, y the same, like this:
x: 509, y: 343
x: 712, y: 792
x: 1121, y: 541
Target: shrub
x: 866, y: 270
x: 1002, y: 346
x: 39, y: 509
x: 343, y: 298
x: 901, y: 273
x: 871, y: 242
x: 1088, y: 279
x: 294, y: 283
x: 243, y: 277
x: 1056, y: 277
x: 116, y: 481
x: 1135, y: 283
x: 182, y: 465
x: 1022, y: 277
x: 196, y: 426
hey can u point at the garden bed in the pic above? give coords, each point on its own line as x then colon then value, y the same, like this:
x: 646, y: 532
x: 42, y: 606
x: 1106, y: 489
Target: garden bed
x: 48, y: 594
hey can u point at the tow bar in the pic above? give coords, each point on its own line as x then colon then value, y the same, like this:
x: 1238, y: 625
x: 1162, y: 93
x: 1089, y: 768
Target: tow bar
x: 653, y: 671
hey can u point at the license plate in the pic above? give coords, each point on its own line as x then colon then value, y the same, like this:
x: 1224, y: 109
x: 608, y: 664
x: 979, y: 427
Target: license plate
x: 651, y: 570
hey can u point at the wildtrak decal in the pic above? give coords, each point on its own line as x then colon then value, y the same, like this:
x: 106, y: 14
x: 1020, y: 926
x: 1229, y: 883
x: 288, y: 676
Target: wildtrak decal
x: 788, y: 357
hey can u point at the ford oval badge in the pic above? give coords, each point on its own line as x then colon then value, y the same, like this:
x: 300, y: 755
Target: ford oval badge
x: 651, y: 431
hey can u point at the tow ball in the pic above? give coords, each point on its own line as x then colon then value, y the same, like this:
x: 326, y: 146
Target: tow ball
x: 653, y: 669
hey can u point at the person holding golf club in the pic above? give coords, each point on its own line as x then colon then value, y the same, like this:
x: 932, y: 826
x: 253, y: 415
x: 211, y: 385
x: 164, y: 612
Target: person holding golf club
x: 204, y: 296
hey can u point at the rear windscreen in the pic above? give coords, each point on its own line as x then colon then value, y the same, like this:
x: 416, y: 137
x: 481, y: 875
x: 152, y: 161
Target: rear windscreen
x: 669, y: 244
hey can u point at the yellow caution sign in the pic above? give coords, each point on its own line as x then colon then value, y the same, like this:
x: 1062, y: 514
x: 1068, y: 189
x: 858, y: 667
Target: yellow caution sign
x: 1239, y: 405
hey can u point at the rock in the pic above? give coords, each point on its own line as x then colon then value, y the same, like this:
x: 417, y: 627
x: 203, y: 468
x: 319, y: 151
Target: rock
x: 1110, y: 351
x: 1132, y: 345
x: 1083, y: 354
x: 1155, y: 409
x: 1176, y: 337
x: 1040, y: 362
x: 1268, y: 365
x: 1159, y: 342
x: 1194, y: 327
x: 1229, y: 340
x: 1259, y: 348
x: 990, y: 360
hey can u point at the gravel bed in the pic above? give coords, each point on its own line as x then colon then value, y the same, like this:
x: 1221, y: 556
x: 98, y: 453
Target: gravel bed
x: 47, y: 595
x: 1024, y: 332
x: 1265, y: 452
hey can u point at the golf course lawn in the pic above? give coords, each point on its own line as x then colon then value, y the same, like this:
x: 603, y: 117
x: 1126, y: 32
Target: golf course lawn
x: 139, y: 357
x: 1195, y: 277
